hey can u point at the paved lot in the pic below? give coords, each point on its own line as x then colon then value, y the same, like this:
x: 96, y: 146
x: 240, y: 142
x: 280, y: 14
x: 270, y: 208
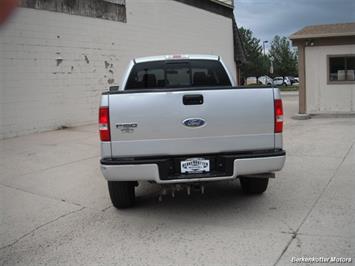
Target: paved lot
x: 55, y: 207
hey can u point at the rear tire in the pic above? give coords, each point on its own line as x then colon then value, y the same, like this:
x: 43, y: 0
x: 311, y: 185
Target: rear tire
x: 121, y: 193
x: 254, y: 186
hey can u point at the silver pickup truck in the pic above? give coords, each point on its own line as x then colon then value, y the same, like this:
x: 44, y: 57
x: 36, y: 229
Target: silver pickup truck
x: 179, y: 121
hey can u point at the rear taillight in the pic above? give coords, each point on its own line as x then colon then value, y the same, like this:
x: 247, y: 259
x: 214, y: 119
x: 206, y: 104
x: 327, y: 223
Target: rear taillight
x: 104, y: 123
x: 278, y: 113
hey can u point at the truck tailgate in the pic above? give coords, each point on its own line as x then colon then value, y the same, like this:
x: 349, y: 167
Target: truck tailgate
x: 151, y: 123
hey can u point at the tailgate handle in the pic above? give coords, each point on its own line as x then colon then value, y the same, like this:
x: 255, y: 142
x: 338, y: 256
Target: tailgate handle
x: 192, y: 99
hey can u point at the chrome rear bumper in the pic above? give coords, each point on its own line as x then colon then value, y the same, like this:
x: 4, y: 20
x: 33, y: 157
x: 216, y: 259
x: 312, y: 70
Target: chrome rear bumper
x: 159, y: 170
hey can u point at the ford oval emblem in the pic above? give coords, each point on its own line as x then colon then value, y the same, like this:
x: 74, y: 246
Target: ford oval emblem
x: 194, y: 122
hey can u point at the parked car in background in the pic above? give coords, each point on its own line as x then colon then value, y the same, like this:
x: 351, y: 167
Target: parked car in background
x: 282, y: 81
x: 292, y: 79
x: 262, y: 80
x: 265, y: 80
x: 251, y: 81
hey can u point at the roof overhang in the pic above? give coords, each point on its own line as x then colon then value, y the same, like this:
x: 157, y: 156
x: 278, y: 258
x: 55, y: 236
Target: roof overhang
x: 313, y: 36
x: 219, y: 7
x: 337, y: 30
x: 226, y: 3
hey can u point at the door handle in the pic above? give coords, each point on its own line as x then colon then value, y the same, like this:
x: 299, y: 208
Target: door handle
x: 192, y: 99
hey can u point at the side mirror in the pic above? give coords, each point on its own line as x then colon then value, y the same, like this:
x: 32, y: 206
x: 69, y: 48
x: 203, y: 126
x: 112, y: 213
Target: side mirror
x: 114, y: 88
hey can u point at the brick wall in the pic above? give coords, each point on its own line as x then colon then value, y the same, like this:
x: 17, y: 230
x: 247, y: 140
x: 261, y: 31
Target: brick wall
x: 54, y: 66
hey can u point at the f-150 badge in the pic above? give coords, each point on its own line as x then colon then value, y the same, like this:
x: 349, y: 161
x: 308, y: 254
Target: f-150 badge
x: 127, y: 127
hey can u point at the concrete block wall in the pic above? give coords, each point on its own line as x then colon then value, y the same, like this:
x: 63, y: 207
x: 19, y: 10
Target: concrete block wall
x: 54, y: 66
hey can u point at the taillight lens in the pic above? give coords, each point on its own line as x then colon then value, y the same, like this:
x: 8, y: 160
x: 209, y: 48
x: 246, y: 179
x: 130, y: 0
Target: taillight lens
x: 278, y: 112
x: 104, y: 124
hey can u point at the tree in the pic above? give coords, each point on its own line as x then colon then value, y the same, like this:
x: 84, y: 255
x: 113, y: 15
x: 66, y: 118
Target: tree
x: 257, y: 64
x: 285, y: 59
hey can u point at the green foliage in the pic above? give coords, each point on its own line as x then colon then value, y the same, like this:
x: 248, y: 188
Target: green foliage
x: 257, y: 64
x: 285, y: 59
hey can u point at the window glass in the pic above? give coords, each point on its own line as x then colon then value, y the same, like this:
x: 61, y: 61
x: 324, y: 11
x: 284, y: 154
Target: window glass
x: 341, y: 68
x: 350, y: 68
x: 147, y: 75
x: 208, y: 73
x: 175, y: 74
x: 337, y: 68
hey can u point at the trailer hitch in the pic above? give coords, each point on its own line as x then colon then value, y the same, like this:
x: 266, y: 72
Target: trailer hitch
x: 172, y: 189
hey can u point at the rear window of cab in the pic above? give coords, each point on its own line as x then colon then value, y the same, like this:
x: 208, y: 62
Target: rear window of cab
x: 177, y: 74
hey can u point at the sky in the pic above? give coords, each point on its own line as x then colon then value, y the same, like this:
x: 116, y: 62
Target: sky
x: 267, y: 18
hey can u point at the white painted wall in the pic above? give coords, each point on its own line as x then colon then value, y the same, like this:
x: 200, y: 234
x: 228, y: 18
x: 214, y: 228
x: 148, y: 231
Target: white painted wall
x: 323, y: 97
x: 36, y: 94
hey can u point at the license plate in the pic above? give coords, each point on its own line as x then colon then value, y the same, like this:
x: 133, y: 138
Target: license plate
x: 195, y: 165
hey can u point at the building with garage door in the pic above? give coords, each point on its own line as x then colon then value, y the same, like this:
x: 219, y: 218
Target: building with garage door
x: 57, y: 56
x: 326, y: 68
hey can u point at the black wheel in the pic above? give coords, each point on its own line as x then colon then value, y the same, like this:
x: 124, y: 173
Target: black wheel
x: 285, y: 84
x: 121, y: 193
x: 252, y: 185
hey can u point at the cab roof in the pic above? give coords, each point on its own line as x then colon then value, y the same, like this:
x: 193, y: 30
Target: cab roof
x: 176, y: 57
